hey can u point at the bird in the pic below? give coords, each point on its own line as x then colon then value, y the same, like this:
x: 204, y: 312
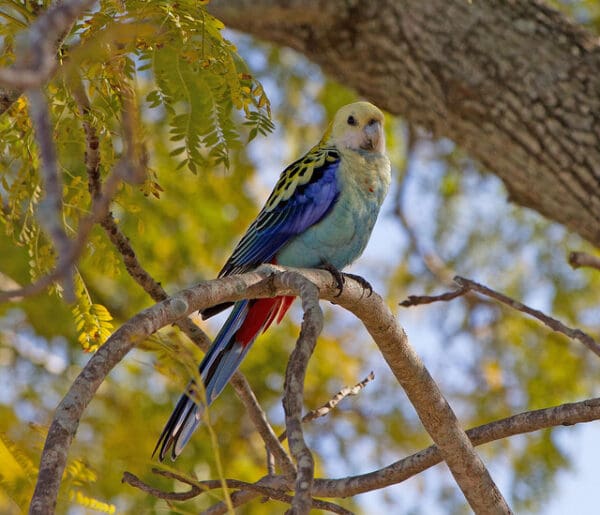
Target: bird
x: 320, y: 214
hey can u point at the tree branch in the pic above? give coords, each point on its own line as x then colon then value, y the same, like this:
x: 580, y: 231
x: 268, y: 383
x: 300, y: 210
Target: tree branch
x: 259, y: 419
x: 467, y: 285
x: 565, y: 414
x: 581, y: 259
x: 36, y: 56
x: 416, y: 300
x: 269, y: 487
x: 69, y: 411
x: 401, y: 470
x: 433, y: 410
x: 293, y: 399
x: 326, y: 408
x: 548, y: 321
x: 50, y: 212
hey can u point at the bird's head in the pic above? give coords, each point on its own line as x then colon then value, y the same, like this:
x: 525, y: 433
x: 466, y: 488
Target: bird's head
x: 358, y: 126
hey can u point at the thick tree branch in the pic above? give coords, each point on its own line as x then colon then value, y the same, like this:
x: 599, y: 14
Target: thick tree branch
x: 69, y: 411
x: 565, y: 414
x: 433, y: 410
x: 514, y: 83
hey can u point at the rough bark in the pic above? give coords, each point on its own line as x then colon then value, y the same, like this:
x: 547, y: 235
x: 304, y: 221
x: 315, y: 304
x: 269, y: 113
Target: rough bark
x: 512, y: 82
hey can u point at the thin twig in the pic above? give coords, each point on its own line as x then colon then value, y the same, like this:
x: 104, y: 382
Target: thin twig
x: 326, y: 408
x: 36, y: 59
x: 92, y: 147
x: 467, y: 285
x: 582, y: 259
x: 415, y: 300
x: 548, y: 321
x: 134, y: 481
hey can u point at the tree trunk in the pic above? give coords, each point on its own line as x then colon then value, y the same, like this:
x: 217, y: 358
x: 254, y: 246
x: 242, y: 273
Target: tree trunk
x: 512, y: 82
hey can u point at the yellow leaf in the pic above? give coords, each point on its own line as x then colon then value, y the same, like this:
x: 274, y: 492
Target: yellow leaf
x: 493, y: 374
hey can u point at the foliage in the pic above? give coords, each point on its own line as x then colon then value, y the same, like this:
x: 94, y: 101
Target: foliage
x: 92, y: 320
x: 127, y: 51
x: 198, y: 103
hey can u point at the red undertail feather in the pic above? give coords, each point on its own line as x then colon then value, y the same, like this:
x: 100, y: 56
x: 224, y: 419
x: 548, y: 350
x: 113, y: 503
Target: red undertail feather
x: 260, y: 316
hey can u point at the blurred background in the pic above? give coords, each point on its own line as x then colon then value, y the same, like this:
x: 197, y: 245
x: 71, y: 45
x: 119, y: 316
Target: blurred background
x: 443, y: 216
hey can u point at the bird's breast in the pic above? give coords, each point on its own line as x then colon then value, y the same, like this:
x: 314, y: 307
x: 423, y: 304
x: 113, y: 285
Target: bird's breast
x: 342, y: 235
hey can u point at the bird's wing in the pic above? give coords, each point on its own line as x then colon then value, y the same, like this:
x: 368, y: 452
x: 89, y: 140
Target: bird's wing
x: 303, y: 195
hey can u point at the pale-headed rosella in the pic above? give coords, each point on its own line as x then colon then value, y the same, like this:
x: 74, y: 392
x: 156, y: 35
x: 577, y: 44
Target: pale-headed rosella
x: 319, y: 215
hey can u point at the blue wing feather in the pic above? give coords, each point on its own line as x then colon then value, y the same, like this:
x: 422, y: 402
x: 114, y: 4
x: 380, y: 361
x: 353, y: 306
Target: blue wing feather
x: 282, y: 219
x: 305, y: 192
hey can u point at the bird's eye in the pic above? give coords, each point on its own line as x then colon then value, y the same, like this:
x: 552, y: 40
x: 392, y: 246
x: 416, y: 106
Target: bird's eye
x: 351, y: 120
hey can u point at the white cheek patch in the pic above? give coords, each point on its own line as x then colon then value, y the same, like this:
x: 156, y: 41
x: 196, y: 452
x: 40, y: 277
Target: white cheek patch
x: 353, y: 139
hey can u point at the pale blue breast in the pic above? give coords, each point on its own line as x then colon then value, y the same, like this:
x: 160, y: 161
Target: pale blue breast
x: 343, y: 234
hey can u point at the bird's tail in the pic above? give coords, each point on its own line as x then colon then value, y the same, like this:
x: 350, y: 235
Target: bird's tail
x: 247, y: 320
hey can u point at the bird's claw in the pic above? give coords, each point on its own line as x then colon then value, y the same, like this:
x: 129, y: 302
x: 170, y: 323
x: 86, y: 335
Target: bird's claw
x: 340, y: 279
x: 366, y: 285
x: 338, y: 276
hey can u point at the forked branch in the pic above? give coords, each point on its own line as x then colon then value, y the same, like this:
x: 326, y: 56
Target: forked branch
x: 432, y: 408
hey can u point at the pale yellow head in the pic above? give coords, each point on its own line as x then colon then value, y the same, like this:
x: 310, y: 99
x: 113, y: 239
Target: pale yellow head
x: 358, y: 126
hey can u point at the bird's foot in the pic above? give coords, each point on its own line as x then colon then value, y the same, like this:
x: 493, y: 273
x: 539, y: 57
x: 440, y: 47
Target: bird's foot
x: 340, y: 279
x: 338, y: 276
x: 366, y: 285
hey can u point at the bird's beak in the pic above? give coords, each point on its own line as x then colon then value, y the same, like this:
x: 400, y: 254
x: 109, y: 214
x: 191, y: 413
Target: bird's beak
x: 373, y: 137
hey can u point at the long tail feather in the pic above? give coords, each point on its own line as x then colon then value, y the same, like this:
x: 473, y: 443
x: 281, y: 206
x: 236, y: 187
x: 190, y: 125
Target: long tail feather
x: 247, y: 320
